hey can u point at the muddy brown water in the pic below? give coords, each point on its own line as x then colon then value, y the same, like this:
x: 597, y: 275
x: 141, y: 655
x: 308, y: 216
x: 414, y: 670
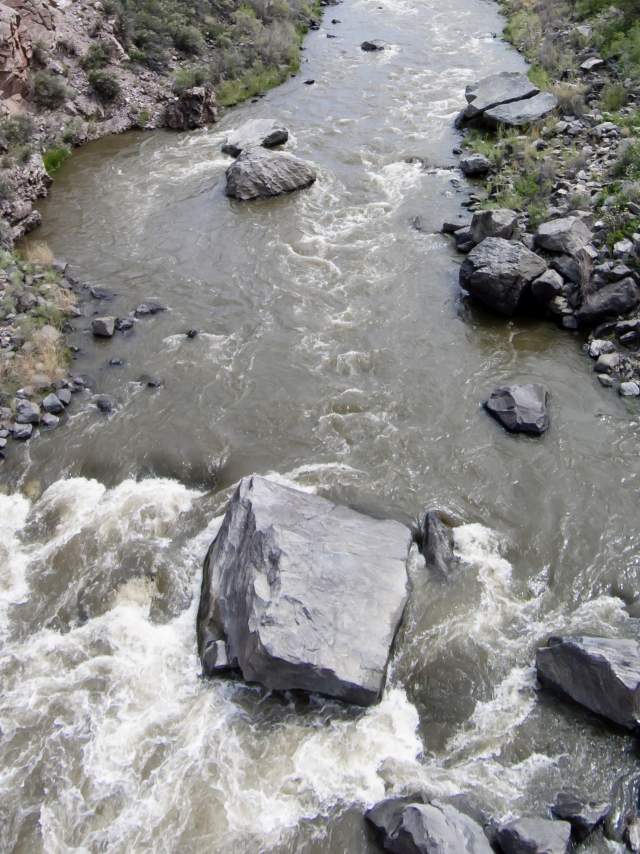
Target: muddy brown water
x: 333, y: 352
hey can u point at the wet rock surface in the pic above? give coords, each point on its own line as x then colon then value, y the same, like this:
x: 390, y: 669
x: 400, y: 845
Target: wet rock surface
x: 534, y: 836
x: 520, y: 408
x: 583, y: 816
x: 602, y: 674
x: 255, y: 133
x: 280, y: 579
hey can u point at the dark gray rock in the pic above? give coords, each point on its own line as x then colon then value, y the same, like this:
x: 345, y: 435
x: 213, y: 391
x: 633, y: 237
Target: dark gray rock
x: 49, y: 421
x: 623, y: 821
x: 437, y: 544
x: 258, y: 173
x: 496, y: 222
x: 256, y: 132
x: 103, y: 327
x: 433, y: 828
x: 474, y: 165
x: 609, y: 302
x: 192, y: 333
x: 464, y: 239
x: 498, y: 273
x: 602, y: 674
x: 283, y: 581
x: 565, y: 235
x: 53, y: 404
x: 64, y: 396
x: 27, y: 412
x: 22, y: 431
x: 99, y: 293
x: 547, y: 286
x: 193, y: 108
x: 521, y: 113
x: 215, y: 658
x: 520, y: 408
x: 534, y: 836
x: 149, y: 307
x: 496, y: 89
x: 373, y: 45
x: 105, y: 403
x: 583, y: 816
x: 123, y: 324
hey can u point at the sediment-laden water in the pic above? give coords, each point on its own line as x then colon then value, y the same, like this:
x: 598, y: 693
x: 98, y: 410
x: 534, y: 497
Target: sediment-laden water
x: 334, y: 352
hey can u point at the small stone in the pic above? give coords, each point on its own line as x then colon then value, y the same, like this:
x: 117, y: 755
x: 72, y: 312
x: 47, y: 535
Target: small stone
x: 607, y: 363
x: 192, y: 333
x: 125, y: 323
x: 309, y: 82
x: 605, y: 380
x: 116, y: 362
x: 52, y: 404
x: 64, y: 396
x: 103, y: 327
x: 629, y: 389
x: 149, y: 307
x: 600, y: 346
x: 373, y: 45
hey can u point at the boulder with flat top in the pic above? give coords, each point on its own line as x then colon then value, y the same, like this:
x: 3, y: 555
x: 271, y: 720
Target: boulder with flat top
x: 306, y: 594
x: 255, y: 133
x: 259, y: 174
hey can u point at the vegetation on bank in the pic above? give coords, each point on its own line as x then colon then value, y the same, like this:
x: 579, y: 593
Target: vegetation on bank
x: 554, y: 36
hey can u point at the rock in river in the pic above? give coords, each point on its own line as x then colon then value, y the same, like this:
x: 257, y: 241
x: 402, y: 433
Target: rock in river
x: 103, y: 327
x: 255, y: 133
x: 520, y: 113
x: 583, y: 816
x: 520, y: 408
x: 437, y: 544
x: 534, y: 836
x: 307, y: 594
x: 473, y: 165
x: 409, y: 827
x: 193, y: 108
x: 258, y: 173
x: 602, y: 674
x: 498, y: 273
x: 372, y: 45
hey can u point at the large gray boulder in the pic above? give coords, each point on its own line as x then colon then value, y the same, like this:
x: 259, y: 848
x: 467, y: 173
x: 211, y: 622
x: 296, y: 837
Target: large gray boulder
x: 435, y: 828
x: 521, y: 113
x: 602, y: 674
x: 473, y: 165
x: 495, y: 222
x: 307, y: 594
x: 609, y: 302
x: 255, y: 133
x: 498, y: 272
x: 566, y: 235
x: 258, y: 173
x: 520, y: 408
x: 534, y: 836
x: 496, y: 89
x: 193, y: 108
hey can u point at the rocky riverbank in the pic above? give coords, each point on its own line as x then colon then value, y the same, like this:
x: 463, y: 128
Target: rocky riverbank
x: 555, y: 159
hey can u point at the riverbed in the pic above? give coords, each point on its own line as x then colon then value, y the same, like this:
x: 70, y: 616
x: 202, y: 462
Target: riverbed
x: 334, y: 353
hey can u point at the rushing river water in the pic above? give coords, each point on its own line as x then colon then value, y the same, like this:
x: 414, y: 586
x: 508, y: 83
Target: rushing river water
x: 334, y: 352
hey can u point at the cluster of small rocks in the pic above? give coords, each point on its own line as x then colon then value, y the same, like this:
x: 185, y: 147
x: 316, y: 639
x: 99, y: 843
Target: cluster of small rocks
x: 105, y: 326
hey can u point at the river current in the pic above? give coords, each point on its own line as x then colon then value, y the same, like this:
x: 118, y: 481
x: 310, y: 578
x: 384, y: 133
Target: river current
x: 334, y: 353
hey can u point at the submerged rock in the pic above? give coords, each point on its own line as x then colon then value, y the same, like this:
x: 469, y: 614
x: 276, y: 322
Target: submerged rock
x: 258, y: 173
x: 583, y: 816
x: 498, y: 272
x: 534, y: 836
x: 373, y: 45
x: 496, y: 89
x: 255, y: 133
x: 437, y: 544
x: 307, y: 594
x: 410, y: 827
x: 602, y: 674
x: 520, y: 408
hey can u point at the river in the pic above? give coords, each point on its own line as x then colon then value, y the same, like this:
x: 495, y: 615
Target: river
x: 334, y: 352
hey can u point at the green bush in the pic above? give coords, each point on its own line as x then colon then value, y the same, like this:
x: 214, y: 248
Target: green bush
x: 97, y: 56
x: 613, y: 97
x: 7, y: 188
x: 627, y: 164
x: 188, y: 40
x: 104, y: 85
x: 49, y: 91
x: 53, y: 158
x: 187, y: 78
x: 17, y: 130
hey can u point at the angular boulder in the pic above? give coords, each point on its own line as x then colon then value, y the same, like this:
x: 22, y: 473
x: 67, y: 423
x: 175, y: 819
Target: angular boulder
x: 496, y: 222
x: 521, y: 113
x: 193, y: 108
x: 609, y: 302
x: 602, y: 674
x: 474, y: 165
x: 583, y: 816
x: 260, y: 174
x: 520, y: 408
x: 534, y: 836
x: 565, y: 235
x: 253, y: 134
x: 53, y: 404
x: 27, y: 412
x: 547, y: 286
x: 498, y: 272
x: 307, y: 594
x: 496, y: 89
x: 103, y: 327
x: 407, y: 827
